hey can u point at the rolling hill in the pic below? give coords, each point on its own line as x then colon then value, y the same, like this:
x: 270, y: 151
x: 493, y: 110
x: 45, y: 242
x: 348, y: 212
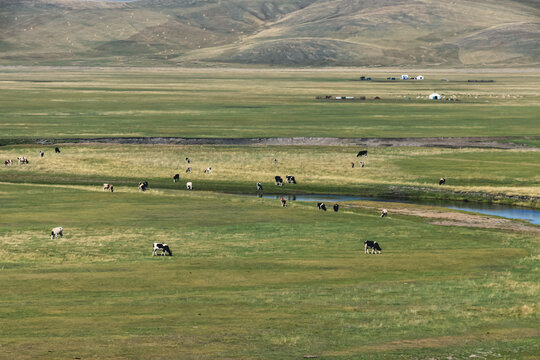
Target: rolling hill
x: 457, y: 33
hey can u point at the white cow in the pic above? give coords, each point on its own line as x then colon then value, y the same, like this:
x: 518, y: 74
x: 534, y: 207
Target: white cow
x: 189, y: 185
x: 57, y: 231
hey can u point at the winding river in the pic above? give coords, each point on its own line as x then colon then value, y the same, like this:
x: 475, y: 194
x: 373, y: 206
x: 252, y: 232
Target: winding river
x: 509, y: 212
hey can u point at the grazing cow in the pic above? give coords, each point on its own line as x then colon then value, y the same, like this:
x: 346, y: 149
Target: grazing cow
x: 373, y: 245
x: 41, y: 153
x: 22, y: 160
x: 57, y: 231
x: 57, y: 150
x: 336, y: 207
x: 352, y: 165
x: 8, y: 163
x: 143, y: 186
x: 208, y: 170
x: 108, y: 187
x: 290, y: 179
x: 362, y: 153
x: 259, y: 186
x: 321, y: 206
x: 442, y: 181
x: 278, y: 180
x: 189, y: 185
x: 164, y: 249
x: 188, y: 161
x: 384, y: 213
x: 176, y: 178
x: 283, y: 202
x: 362, y: 164
x: 189, y: 170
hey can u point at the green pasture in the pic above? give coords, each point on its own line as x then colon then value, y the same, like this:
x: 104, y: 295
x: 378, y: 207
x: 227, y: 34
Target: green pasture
x: 473, y: 174
x: 252, y: 280
x: 69, y: 103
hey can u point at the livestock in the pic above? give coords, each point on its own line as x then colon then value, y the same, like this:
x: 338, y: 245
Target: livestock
x: 283, y: 202
x: 188, y: 160
x: 362, y: 164
x: 259, y: 186
x: 143, y: 186
x: 442, y: 181
x: 362, y: 153
x: 384, y: 213
x: 189, y: 170
x: 352, y: 165
x: 57, y: 231
x: 189, y: 185
x: 57, y: 150
x: 22, y: 160
x: 336, y: 207
x: 373, y: 245
x: 275, y: 161
x: 321, y: 206
x: 290, y: 179
x: 176, y: 178
x: 8, y: 163
x: 165, y: 249
x: 41, y: 153
x: 109, y: 187
x: 278, y: 180
x: 208, y: 170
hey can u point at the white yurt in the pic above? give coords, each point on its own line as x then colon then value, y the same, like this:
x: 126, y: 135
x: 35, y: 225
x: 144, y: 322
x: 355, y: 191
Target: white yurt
x: 420, y: 77
x: 404, y: 77
x: 435, y: 96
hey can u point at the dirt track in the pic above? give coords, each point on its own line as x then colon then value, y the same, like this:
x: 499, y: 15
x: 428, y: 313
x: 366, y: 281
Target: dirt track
x: 444, y: 142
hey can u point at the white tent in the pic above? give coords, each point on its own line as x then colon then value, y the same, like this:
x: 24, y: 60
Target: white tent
x: 404, y: 77
x: 435, y: 96
x: 420, y: 77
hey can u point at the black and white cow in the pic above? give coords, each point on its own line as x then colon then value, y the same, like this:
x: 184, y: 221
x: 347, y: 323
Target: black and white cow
x: 189, y: 170
x: 164, y: 249
x: 373, y: 245
x: 336, y: 207
x: 188, y: 160
x: 143, y: 186
x: 176, y: 178
x: 41, y: 153
x: 362, y: 153
x: 362, y: 164
x: 321, y: 206
x: 442, y: 181
x: 278, y: 180
x: 108, y: 187
x: 57, y: 150
x: 384, y: 213
x: 22, y: 160
x: 290, y: 179
x: 57, y: 231
x: 259, y: 186
x: 208, y: 170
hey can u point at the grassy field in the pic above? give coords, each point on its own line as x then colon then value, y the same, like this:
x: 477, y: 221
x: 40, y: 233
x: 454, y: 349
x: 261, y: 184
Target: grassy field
x: 395, y: 171
x: 56, y: 103
x: 252, y: 280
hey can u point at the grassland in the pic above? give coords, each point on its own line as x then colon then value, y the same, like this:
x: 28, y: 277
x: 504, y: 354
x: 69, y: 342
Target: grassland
x: 64, y: 103
x: 252, y: 280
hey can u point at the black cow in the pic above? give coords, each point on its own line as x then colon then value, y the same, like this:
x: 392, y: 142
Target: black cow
x: 259, y: 186
x: 321, y: 206
x: 57, y: 150
x: 362, y: 153
x: 164, y: 249
x: 278, y: 180
x: 176, y: 178
x: 373, y: 245
x: 336, y: 207
x: 442, y: 181
x: 143, y: 186
x: 290, y: 179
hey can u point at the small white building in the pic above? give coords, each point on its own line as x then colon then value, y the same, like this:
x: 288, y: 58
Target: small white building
x: 420, y: 77
x: 404, y: 77
x: 435, y: 96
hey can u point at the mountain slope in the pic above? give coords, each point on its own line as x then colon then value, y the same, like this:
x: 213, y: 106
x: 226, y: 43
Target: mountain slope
x: 278, y: 32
